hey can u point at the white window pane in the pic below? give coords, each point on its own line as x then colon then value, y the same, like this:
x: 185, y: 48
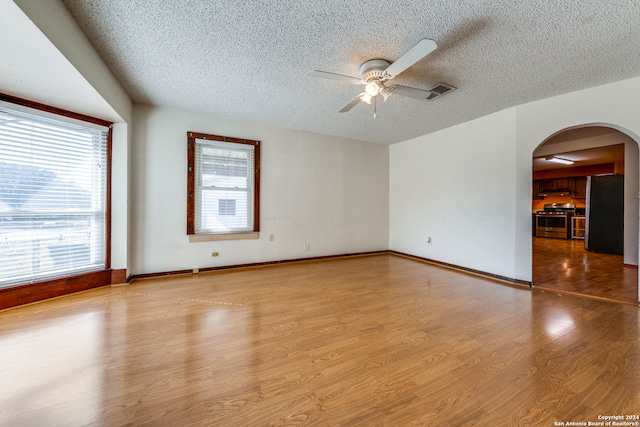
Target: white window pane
x: 224, y: 187
x: 52, y: 198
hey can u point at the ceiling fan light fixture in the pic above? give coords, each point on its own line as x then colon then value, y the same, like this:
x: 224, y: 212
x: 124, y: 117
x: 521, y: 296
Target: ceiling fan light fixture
x: 385, y: 93
x: 560, y: 160
x: 373, y: 88
x: 366, y: 98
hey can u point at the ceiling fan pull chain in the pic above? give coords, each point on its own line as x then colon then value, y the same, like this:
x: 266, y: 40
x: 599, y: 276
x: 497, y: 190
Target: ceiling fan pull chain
x: 375, y: 104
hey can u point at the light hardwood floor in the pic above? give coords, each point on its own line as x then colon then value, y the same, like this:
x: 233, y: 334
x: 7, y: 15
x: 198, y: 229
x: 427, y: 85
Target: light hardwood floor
x: 565, y: 265
x: 370, y: 341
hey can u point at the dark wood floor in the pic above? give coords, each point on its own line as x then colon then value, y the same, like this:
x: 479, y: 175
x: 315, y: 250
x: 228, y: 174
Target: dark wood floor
x: 370, y: 341
x: 565, y: 265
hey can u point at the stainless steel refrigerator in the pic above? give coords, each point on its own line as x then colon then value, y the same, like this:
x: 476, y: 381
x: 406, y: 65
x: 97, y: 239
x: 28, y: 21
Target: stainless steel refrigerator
x: 605, y: 214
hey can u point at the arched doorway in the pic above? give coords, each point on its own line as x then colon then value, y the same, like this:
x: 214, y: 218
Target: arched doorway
x: 561, y: 262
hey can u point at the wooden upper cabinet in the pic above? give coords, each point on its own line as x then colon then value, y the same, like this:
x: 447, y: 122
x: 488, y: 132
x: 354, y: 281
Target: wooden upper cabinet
x: 579, y: 187
x: 544, y: 185
x: 554, y: 184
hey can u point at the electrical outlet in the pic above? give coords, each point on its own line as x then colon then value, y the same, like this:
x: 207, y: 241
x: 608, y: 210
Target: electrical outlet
x: 272, y: 237
x: 428, y: 240
x: 307, y: 246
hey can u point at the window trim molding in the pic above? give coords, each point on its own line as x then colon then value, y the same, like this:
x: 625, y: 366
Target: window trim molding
x: 191, y: 187
x: 211, y: 237
x: 54, y: 110
x: 33, y: 292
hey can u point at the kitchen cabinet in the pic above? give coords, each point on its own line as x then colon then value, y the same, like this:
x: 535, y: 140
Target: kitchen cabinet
x: 554, y: 185
x: 579, y: 187
x: 551, y: 186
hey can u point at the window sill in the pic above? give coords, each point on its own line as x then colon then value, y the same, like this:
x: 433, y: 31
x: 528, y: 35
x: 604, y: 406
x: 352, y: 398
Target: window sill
x: 229, y: 236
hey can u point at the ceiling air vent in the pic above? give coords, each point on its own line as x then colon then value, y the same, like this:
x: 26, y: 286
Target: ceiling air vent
x: 440, y: 90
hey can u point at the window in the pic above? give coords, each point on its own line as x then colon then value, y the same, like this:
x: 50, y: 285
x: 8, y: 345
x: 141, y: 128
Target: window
x: 223, y: 182
x: 53, y: 195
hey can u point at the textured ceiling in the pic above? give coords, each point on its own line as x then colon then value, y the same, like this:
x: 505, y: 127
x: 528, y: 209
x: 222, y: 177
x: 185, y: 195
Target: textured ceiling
x: 249, y: 60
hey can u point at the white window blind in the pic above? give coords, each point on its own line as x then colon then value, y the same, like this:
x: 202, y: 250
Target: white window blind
x: 224, y: 187
x: 52, y: 197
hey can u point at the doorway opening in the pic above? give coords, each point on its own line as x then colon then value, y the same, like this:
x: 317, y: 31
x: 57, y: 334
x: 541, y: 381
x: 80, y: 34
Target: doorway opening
x: 561, y: 260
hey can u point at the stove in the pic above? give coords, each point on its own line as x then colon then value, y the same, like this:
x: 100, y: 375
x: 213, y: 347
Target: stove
x: 558, y: 209
x: 554, y: 221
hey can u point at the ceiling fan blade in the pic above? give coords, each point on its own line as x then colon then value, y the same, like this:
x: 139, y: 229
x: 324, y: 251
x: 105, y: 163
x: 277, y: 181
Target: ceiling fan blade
x: 334, y: 76
x: 351, y: 103
x: 410, y: 57
x: 410, y: 92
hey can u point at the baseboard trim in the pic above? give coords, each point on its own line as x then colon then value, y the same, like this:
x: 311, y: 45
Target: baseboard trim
x: 578, y: 294
x: 253, y: 265
x: 35, y: 292
x: 480, y: 273
x: 118, y: 277
x: 461, y: 269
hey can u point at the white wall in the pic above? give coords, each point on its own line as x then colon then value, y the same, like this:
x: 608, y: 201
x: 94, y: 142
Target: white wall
x: 456, y: 186
x: 55, y: 21
x: 615, y: 105
x: 326, y: 191
x: 480, y: 217
x: 110, y: 103
x: 120, y: 197
x: 631, y: 203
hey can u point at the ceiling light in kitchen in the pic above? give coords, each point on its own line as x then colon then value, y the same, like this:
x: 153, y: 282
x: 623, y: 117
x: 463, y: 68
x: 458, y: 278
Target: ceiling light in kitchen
x: 559, y: 160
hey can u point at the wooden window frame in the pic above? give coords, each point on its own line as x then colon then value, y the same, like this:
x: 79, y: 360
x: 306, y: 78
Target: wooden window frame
x: 191, y: 188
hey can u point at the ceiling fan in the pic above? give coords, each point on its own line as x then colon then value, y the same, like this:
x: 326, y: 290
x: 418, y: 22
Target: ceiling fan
x: 376, y: 73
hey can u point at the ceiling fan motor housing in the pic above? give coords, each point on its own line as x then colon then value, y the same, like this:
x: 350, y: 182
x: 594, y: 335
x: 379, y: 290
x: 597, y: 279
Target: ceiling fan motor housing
x: 374, y: 70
